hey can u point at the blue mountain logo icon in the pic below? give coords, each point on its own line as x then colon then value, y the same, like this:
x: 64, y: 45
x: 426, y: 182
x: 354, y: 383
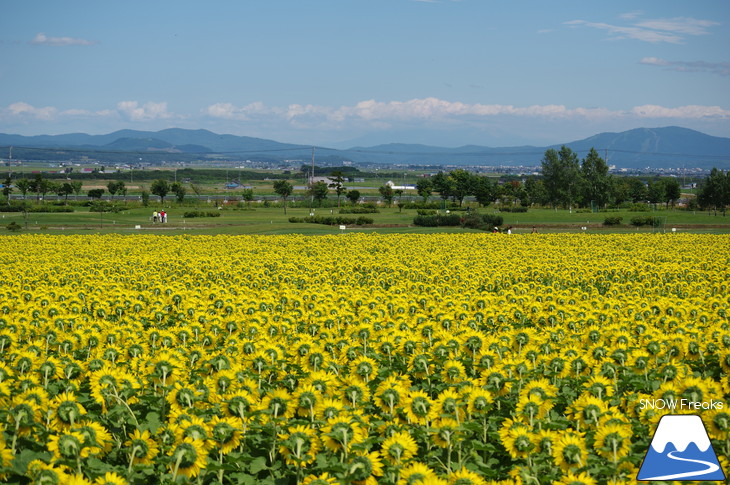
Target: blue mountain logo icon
x: 681, y: 450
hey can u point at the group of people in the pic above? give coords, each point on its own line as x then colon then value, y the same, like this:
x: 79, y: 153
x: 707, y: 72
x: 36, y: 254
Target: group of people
x: 160, y: 216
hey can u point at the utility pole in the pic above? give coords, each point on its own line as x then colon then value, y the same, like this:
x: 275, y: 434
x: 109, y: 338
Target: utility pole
x: 311, y: 187
x: 312, y: 165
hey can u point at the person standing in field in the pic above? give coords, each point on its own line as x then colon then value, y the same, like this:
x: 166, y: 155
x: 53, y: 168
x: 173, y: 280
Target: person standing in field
x: 163, y: 216
x: 154, y: 216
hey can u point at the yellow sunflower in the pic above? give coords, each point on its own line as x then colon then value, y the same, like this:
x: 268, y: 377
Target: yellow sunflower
x: 390, y: 395
x: 66, y: 445
x: 365, y: 468
x: 576, y: 479
x: 299, y: 446
x: 341, y: 433
x: 419, y: 408
x: 111, y: 478
x: 278, y: 404
x: 97, y: 439
x: 323, y: 479
x: 188, y: 458
x: 465, y: 477
x: 613, y: 441
x: 569, y: 451
x: 399, y: 448
x: 415, y: 472
x: 225, y: 433
x: 67, y: 409
x: 142, y: 447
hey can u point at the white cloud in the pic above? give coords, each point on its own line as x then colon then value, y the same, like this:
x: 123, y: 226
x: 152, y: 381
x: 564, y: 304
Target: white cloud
x: 43, y: 39
x: 672, y: 30
x: 631, y: 15
x: 146, y: 112
x: 693, y: 112
x: 434, y: 110
x: 721, y: 68
x: 636, y: 33
x: 679, y: 25
x: 26, y: 110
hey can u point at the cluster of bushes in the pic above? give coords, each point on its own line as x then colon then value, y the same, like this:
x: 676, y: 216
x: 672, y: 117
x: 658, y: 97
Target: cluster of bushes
x: 333, y: 220
x: 426, y: 212
x: 472, y: 220
x: 436, y: 220
x: 612, y: 221
x: 192, y: 214
x: 13, y: 226
x: 364, y: 209
x: 646, y: 221
x: 485, y: 222
x: 35, y: 208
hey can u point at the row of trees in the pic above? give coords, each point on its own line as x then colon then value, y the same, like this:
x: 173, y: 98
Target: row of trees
x: 568, y: 181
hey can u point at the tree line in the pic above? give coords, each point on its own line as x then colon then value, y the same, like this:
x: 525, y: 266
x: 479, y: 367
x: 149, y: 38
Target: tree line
x: 566, y: 182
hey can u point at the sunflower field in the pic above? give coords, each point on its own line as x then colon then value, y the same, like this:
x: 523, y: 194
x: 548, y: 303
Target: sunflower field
x: 355, y: 359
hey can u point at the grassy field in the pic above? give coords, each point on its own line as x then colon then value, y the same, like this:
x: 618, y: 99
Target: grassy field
x: 273, y: 220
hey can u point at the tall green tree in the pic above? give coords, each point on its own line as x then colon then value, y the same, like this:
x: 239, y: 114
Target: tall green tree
x: 284, y: 189
x: 443, y: 185
x: 77, y: 186
x: 24, y: 186
x: 715, y: 191
x: 386, y: 192
x: 7, y: 188
x: 64, y: 190
x: 319, y: 192
x: 337, y: 183
x: 112, y: 187
x: 672, y: 191
x: 353, y: 196
x: 656, y: 192
x: 484, y: 190
x: 247, y: 195
x: 179, y: 190
x: 637, y: 190
x: 462, y: 184
x: 561, y: 176
x: 424, y: 187
x: 41, y: 186
x: 536, y: 193
x: 595, y: 180
x: 160, y: 188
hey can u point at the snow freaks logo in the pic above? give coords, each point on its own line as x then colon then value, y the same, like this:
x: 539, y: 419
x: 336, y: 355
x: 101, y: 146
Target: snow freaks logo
x: 681, y: 450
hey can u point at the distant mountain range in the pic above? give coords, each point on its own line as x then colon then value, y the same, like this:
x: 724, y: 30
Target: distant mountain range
x: 670, y: 147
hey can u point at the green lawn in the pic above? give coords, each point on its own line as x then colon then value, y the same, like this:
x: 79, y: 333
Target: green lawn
x: 272, y: 220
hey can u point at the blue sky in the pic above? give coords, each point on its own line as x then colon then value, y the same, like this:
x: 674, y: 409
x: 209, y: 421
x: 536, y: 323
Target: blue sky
x: 348, y: 72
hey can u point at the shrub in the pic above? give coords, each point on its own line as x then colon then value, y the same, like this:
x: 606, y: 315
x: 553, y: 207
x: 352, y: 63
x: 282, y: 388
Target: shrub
x: 193, y: 214
x: 639, y: 208
x: 612, y: 221
x: 13, y: 226
x: 365, y: 209
x: 426, y: 212
x: 485, y: 222
x: 473, y: 220
x: 333, y: 220
x: 513, y: 209
x: 36, y: 208
x: 646, y: 221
